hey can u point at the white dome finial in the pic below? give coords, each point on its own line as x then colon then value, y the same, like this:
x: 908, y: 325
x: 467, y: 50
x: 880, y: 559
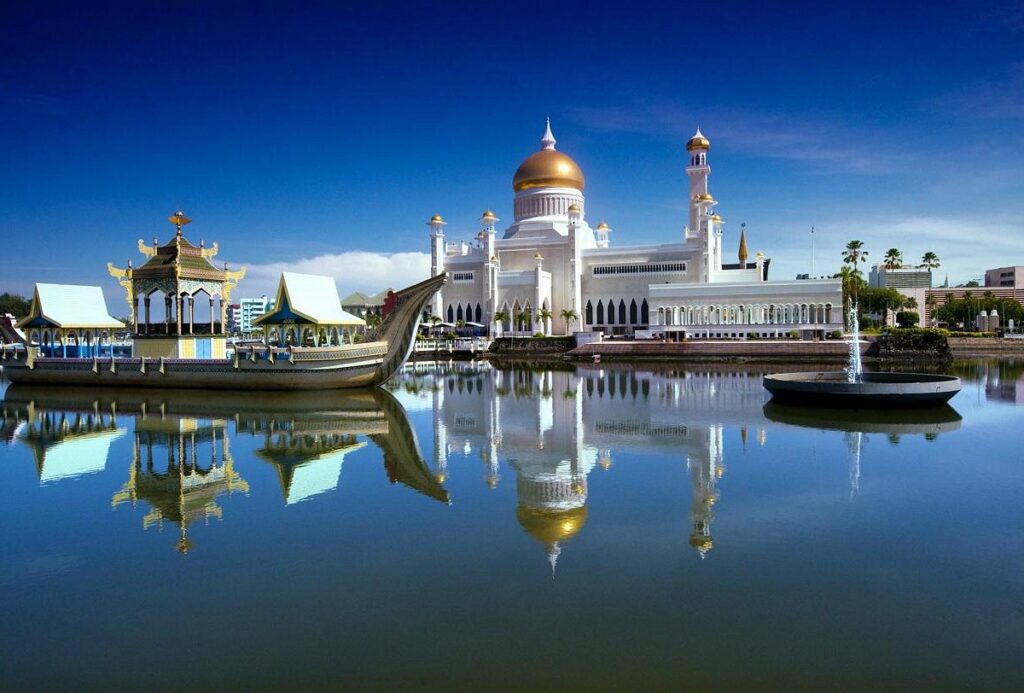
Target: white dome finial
x: 548, y: 140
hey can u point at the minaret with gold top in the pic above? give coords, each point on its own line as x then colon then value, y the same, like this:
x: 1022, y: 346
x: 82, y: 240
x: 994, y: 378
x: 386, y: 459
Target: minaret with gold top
x: 179, y: 272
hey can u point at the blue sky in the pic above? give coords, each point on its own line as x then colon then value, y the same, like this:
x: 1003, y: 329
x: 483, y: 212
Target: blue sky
x: 321, y: 138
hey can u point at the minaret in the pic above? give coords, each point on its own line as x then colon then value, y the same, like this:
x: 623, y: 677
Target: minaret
x: 437, y: 252
x: 487, y: 222
x: 743, y: 245
x: 701, y: 202
x: 602, y: 235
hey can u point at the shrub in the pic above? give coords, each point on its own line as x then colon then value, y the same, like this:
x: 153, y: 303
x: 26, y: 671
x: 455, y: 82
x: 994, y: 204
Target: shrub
x: 753, y: 335
x: 907, y: 318
x: 793, y: 334
x: 836, y: 334
x: 539, y: 335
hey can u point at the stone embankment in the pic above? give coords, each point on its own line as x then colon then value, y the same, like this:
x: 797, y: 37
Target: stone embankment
x: 766, y: 351
x: 970, y: 347
x: 530, y: 346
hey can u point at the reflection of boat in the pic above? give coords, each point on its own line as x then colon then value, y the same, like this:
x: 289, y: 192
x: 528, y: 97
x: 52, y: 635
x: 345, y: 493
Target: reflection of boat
x: 371, y: 362
x: 926, y: 420
x: 64, y: 444
x: 181, y: 453
x: 296, y: 419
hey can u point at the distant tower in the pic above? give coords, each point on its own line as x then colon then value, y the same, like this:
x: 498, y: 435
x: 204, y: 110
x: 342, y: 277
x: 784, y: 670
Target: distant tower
x: 602, y: 235
x: 437, y: 252
x: 487, y: 232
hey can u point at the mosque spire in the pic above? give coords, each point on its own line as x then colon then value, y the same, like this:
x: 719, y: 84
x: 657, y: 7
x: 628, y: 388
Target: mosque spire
x: 743, y: 245
x: 548, y: 140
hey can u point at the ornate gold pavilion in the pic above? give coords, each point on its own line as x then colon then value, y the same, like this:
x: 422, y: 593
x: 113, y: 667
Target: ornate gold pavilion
x: 180, y: 271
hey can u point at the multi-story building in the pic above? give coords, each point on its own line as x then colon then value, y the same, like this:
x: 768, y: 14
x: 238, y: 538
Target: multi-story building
x: 551, y: 260
x: 1005, y: 277
x: 250, y: 309
x: 234, y: 317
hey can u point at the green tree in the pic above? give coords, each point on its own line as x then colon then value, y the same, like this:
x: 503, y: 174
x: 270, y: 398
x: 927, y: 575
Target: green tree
x: 853, y: 255
x: 16, y: 305
x: 893, y: 259
x: 501, y: 317
x: 930, y: 261
x: 543, y: 315
x: 570, y: 317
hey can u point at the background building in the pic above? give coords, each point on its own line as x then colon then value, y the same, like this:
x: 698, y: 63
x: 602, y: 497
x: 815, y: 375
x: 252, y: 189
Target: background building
x: 250, y: 309
x: 1005, y: 277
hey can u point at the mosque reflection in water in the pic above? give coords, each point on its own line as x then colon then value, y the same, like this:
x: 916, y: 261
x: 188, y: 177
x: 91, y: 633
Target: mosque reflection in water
x: 551, y: 429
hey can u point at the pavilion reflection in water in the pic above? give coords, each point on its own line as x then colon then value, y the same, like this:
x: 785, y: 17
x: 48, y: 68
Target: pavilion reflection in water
x: 554, y: 427
x: 181, y: 453
x: 64, y: 444
x: 179, y: 467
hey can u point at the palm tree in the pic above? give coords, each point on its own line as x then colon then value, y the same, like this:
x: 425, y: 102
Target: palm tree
x: 930, y: 260
x: 525, y: 319
x: 501, y: 317
x: 543, y: 315
x: 853, y: 256
x: 570, y: 317
x: 893, y: 259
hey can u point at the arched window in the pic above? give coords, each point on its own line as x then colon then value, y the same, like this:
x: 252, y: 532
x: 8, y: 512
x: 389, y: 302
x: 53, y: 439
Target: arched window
x: 451, y: 313
x: 590, y: 313
x: 600, y: 313
x: 622, y: 312
x: 458, y: 313
x: 645, y: 315
x: 479, y: 314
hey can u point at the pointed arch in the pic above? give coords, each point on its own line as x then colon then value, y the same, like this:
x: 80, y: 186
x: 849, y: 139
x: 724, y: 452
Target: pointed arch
x: 633, y: 315
x: 590, y: 313
x: 600, y: 313
x: 645, y: 313
x: 622, y: 312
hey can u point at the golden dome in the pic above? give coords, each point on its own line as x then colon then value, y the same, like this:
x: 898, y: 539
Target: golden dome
x: 548, y: 528
x: 701, y: 542
x: 575, y: 208
x: 703, y: 197
x: 489, y: 215
x: 548, y: 168
x: 603, y: 226
x: 436, y: 219
x: 715, y: 217
x: 698, y: 141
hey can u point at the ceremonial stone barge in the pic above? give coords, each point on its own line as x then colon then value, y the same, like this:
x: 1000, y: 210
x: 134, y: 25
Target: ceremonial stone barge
x: 304, y: 344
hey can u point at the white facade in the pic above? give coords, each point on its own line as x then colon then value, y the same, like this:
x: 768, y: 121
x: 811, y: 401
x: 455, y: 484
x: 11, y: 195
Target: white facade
x: 551, y: 260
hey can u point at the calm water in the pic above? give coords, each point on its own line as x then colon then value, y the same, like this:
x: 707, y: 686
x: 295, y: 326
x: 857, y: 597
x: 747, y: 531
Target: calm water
x: 597, y: 528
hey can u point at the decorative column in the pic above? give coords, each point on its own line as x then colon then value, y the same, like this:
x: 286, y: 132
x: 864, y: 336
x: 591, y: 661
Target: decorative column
x: 191, y: 312
x: 211, y: 316
x: 135, y: 314
x: 167, y: 313
x: 179, y: 305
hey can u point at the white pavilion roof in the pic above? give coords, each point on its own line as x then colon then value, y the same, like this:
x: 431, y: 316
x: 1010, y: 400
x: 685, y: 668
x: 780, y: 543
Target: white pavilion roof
x: 313, y: 297
x: 71, y: 306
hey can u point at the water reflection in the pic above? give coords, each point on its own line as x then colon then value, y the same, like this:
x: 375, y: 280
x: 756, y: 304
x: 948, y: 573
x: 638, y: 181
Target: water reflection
x: 1003, y: 380
x: 553, y: 428
x: 181, y: 460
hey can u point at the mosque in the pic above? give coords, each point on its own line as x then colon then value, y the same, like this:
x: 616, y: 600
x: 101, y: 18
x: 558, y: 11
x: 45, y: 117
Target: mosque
x: 550, y: 261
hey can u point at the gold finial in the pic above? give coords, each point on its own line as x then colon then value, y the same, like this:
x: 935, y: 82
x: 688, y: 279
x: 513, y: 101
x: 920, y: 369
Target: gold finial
x: 743, y: 245
x: 179, y: 219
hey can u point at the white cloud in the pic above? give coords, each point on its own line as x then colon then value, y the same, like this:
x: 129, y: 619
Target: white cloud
x: 353, y: 270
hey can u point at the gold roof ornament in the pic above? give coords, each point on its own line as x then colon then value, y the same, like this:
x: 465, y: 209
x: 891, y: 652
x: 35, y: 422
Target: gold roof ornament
x: 716, y: 218
x: 548, y: 168
x: 488, y: 215
x: 698, y: 142
x: 551, y: 527
x: 179, y: 219
x: 436, y: 219
x: 575, y: 208
x: 538, y: 257
x: 603, y: 226
x: 703, y: 197
x: 743, y: 261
